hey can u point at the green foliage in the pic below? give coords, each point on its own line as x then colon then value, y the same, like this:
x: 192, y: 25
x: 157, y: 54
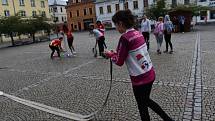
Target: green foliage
x: 160, y: 9
x: 15, y: 24
x: 195, y: 9
x: 157, y: 10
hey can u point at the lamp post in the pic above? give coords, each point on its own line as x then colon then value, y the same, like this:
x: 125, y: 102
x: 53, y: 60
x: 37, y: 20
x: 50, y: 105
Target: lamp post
x: 54, y: 10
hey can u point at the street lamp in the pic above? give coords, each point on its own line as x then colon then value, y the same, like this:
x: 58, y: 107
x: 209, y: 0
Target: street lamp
x: 55, y: 20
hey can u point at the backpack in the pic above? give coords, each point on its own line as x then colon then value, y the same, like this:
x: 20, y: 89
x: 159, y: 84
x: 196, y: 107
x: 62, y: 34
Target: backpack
x: 169, y: 27
x: 156, y: 30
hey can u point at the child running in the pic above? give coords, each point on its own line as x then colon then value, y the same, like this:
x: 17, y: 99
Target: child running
x: 56, y: 45
x: 132, y: 50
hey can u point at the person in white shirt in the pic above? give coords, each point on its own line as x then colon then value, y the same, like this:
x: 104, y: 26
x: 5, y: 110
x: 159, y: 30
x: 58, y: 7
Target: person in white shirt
x: 146, y: 29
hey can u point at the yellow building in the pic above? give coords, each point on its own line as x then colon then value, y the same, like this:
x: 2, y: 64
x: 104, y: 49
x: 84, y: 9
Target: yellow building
x: 25, y: 8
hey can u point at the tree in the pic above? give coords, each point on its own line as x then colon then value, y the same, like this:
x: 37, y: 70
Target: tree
x: 8, y: 26
x: 17, y: 25
x: 157, y: 9
x: 195, y: 9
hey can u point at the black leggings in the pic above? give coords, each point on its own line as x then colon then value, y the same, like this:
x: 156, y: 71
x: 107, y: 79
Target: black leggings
x: 146, y: 37
x: 167, y: 38
x: 53, y: 48
x: 101, y: 41
x: 142, y: 95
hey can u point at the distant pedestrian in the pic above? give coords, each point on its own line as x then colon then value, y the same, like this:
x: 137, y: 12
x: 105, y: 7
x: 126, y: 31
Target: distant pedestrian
x: 70, y: 39
x: 168, y: 28
x: 132, y: 50
x: 100, y: 41
x: 64, y: 33
x: 181, y: 23
x: 101, y: 28
x: 146, y: 29
x: 158, y: 32
x: 55, y: 45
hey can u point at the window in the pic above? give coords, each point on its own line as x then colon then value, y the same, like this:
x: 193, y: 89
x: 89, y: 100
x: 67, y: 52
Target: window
x: 77, y: 12
x: 109, y: 9
x: 4, y: 2
x: 70, y: 14
x: 174, y: 3
x: 62, y: 19
x: 146, y: 4
x: 21, y: 3
x: 43, y: 14
x: 34, y: 13
x: 186, y: 2
x: 101, y: 10
x: 7, y: 13
x: 91, y: 11
x: 117, y: 7
x: 56, y: 19
x: 126, y: 5
x: 22, y: 13
x: 212, y: 14
x: 85, y: 11
x: 55, y: 9
x: 42, y: 4
x: 135, y: 4
x: 61, y: 9
x: 33, y: 3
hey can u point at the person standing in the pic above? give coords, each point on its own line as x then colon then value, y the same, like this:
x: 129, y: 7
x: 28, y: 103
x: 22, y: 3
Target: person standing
x: 101, y: 28
x: 99, y: 40
x: 70, y: 40
x: 132, y: 50
x: 168, y: 28
x: 181, y: 23
x: 146, y: 29
x: 158, y: 32
x: 64, y: 32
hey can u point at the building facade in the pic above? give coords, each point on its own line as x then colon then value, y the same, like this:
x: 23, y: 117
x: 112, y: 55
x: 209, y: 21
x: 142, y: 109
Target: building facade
x: 105, y: 9
x: 57, y: 11
x: 208, y: 15
x: 25, y: 8
x: 80, y: 13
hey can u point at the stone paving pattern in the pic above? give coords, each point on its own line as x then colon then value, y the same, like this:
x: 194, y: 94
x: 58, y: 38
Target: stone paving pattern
x: 208, y: 72
x: 80, y: 84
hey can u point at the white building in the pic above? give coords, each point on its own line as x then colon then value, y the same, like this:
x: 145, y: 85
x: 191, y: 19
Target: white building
x: 210, y: 14
x: 105, y: 9
x: 58, y: 12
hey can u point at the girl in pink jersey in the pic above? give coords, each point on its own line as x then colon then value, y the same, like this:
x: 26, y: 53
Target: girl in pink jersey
x: 132, y: 50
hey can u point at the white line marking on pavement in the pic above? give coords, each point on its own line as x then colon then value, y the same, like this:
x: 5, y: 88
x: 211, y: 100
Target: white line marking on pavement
x: 49, y: 109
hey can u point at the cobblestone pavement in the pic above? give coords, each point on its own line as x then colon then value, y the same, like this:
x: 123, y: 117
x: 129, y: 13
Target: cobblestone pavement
x: 208, y: 66
x: 80, y: 84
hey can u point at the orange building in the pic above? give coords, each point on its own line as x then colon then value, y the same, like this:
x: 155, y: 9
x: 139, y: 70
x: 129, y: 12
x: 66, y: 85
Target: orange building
x: 80, y: 13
